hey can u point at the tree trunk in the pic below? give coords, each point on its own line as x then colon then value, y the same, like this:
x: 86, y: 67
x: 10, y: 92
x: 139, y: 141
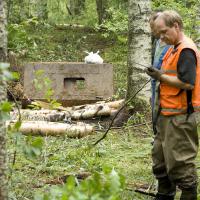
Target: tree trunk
x: 101, y: 10
x: 196, y: 26
x: 139, y: 47
x: 3, y: 34
x: 76, y: 6
x: 3, y: 54
x: 9, y: 7
x: 42, y: 11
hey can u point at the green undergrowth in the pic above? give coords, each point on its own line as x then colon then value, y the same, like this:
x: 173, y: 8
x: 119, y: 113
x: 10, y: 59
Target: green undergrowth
x: 128, y: 152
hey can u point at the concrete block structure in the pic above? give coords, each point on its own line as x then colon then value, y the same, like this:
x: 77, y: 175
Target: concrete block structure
x: 72, y: 83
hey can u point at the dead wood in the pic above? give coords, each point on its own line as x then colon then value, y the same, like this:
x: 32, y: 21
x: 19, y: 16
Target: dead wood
x: 88, y: 112
x: 91, y: 111
x: 63, y: 179
x: 15, y: 89
x: 111, y: 104
x: 142, y: 188
x: 37, y: 115
x: 44, y: 128
x: 116, y: 104
x: 122, y: 118
x: 125, y: 104
x: 75, y: 27
x: 142, y: 191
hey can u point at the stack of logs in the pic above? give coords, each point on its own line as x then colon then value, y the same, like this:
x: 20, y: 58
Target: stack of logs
x: 50, y: 122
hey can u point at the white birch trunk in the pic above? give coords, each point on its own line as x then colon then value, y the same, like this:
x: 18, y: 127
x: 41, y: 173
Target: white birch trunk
x: 3, y: 53
x: 197, y: 27
x: 139, y: 49
x: 3, y: 33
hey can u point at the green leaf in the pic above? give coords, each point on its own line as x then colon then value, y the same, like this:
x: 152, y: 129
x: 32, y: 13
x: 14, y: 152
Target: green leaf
x: 39, y: 72
x: 114, y: 182
x: 38, y: 143
x: 71, y: 183
x: 33, y: 147
x: 15, y: 75
x: 17, y: 125
x: 47, y: 81
x: 6, y: 106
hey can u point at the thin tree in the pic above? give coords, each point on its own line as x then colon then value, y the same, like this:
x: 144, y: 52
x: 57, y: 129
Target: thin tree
x: 101, y: 10
x: 76, y: 7
x: 139, y: 46
x: 139, y: 53
x: 3, y: 55
x: 196, y: 24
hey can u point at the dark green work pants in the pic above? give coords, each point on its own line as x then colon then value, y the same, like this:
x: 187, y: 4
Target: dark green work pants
x: 174, y: 151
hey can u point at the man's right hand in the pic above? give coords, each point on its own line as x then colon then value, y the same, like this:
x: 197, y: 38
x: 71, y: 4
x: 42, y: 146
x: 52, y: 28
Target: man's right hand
x: 154, y: 73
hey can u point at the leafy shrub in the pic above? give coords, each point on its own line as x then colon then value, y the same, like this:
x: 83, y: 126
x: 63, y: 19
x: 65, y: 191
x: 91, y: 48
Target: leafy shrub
x: 18, y: 38
x: 116, y: 24
x: 107, y: 185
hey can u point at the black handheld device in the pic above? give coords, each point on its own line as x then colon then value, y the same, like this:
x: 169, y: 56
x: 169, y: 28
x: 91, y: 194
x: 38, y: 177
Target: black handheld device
x: 149, y: 68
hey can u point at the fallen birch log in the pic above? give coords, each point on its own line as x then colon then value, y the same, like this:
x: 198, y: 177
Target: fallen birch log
x: 115, y: 104
x: 44, y: 128
x: 75, y: 27
x: 88, y: 112
x: 111, y: 104
x: 91, y: 111
x: 45, y: 105
x: 39, y: 115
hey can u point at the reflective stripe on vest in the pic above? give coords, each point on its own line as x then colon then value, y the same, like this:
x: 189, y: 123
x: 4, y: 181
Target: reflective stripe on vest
x: 170, y: 71
x: 171, y: 110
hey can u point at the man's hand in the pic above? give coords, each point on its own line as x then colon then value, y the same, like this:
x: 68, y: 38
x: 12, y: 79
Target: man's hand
x: 154, y: 73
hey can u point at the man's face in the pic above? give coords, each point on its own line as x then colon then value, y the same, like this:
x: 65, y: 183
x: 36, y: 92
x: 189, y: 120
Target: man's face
x: 167, y: 34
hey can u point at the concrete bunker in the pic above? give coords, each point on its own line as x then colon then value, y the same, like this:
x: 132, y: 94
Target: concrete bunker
x: 72, y: 83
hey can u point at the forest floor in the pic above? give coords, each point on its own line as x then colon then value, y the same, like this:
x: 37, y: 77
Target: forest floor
x: 127, y: 150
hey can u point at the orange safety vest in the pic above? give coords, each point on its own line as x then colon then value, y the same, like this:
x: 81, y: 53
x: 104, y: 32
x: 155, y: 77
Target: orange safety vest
x: 173, y: 100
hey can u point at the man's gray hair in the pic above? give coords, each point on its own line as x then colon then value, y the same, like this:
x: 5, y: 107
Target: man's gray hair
x: 170, y: 17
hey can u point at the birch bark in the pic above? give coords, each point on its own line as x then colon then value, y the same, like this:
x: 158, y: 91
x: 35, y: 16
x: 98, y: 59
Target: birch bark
x: 139, y: 46
x: 3, y: 54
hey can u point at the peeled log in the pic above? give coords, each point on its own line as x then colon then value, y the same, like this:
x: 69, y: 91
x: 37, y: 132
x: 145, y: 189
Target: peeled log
x: 44, y: 128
